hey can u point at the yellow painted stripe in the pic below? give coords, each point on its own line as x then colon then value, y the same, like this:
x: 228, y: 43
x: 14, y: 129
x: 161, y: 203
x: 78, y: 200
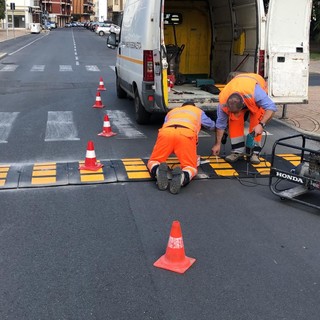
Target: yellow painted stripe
x: 263, y: 171
x: 45, y: 164
x: 286, y: 155
x: 92, y: 177
x: 226, y: 173
x: 89, y: 171
x: 3, y: 175
x: 136, y: 168
x: 44, y: 173
x: 224, y: 165
x: 2, y: 182
x: 46, y: 167
x: 128, y: 163
x: 4, y: 169
x: 43, y: 180
x: 130, y: 159
x: 130, y: 59
x: 138, y: 175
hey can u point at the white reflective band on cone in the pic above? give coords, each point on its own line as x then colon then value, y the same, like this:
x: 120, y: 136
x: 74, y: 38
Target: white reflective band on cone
x: 90, y: 154
x: 106, y: 123
x: 175, y: 243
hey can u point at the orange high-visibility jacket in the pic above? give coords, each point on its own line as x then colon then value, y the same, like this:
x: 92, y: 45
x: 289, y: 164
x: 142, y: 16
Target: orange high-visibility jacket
x: 187, y: 116
x: 244, y: 84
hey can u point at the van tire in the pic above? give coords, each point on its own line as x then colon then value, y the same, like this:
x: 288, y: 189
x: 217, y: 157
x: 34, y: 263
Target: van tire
x: 121, y: 94
x: 101, y: 33
x: 142, y: 116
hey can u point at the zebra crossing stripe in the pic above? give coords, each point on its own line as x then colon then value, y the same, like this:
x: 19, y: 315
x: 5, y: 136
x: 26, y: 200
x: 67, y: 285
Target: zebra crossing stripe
x: 92, y: 68
x: 6, y: 122
x: 60, y: 126
x: 9, y: 68
x: 124, y: 126
x: 37, y: 68
x: 64, y: 68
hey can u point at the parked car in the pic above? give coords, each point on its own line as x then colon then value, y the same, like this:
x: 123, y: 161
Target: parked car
x: 106, y: 28
x: 53, y: 25
x: 35, y: 28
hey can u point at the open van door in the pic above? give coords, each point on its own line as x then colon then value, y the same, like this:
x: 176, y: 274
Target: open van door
x: 288, y: 24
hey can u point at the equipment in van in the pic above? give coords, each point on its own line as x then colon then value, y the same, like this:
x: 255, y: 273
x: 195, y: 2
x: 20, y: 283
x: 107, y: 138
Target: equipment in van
x: 209, y: 39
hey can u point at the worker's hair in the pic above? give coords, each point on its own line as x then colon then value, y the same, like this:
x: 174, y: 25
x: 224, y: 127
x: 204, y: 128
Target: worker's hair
x: 235, y: 102
x: 188, y: 103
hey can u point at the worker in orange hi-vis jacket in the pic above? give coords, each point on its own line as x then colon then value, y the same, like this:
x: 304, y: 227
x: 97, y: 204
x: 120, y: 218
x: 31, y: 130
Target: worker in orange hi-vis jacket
x: 178, y: 135
x: 244, y: 94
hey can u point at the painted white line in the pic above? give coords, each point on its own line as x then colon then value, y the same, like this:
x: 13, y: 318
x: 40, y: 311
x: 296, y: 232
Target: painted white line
x: 9, y: 68
x: 113, y: 68
x: 6, y: 122
x: 77, y: 63
x: 60, y: 126
x: 27, y: 45
x: 92, y: 68
x: 203, y: 134
x: 38, y: 68
x: 65, y: 68
x: 124, y: 126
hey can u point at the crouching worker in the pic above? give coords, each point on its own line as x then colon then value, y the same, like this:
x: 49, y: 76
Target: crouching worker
x: 178, y: 135
x: 244, y: 94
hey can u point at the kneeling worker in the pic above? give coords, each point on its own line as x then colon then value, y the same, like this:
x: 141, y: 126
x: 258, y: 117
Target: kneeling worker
x: 246, y: 93
x: 178, y: 135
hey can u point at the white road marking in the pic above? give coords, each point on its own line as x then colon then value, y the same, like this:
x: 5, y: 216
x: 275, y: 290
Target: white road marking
x: 6, y: 122
x: 60, y: 126
x: 113, y: 68
x: 92, y: 68
x: 37, y: 68
x: 9, y: 68
x: 124, y: 126
x: 65, y: 68
x: 12, y: 53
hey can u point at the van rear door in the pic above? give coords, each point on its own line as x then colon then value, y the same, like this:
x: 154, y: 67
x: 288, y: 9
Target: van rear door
x: 288, y: 23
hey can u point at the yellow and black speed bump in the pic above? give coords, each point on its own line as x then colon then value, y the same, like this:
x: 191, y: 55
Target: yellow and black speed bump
x: 44, y: 174
x: 132, y: 169
x: 9, y: 177
x: 106, y: 174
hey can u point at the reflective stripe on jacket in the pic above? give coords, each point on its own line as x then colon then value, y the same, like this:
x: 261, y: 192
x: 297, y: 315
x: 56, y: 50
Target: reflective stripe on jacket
x: 186, y: 116
x: 244, y: 84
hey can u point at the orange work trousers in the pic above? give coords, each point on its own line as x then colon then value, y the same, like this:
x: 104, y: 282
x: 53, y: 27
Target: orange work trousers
x: 180, y: 141
x: 236, y: 123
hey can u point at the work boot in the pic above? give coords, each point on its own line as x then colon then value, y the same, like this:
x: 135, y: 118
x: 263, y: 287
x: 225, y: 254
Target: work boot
x: 233, y: 157
x: 162, y: 176
x: 177, y: 180
x: 254, y: 159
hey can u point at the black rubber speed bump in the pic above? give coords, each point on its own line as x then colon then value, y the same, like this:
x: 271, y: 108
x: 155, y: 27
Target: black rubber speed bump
x: 106, y: 174
x: 133, y: 169
x: 44, y: 174
x: 9, y: 177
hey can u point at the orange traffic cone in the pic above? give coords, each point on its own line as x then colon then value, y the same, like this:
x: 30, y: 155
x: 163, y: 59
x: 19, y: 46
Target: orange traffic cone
x: 98, y: 103
x: 175, y: 259
x: 91, y: 161
x: 101, y: 85
x: 106, y: 130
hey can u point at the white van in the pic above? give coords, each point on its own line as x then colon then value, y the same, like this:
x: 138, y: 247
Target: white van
x: 171, y: 51
x: 35, y: 28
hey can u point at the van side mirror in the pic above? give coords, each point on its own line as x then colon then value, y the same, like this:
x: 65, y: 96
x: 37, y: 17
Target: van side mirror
x: 112, y: 41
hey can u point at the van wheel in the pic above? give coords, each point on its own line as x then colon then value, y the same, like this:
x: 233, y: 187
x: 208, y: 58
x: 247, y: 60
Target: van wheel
x: 142, y: 116
x: 121, y: 94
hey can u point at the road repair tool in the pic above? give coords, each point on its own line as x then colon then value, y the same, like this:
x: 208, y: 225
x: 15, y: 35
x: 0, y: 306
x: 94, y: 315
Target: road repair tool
x: 299, y: 178
x: 175, y: 259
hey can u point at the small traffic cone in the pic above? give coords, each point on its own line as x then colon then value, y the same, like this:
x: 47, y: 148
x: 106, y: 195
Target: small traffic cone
x: 91, y: 161
x: 101, y: 85
x: 98, y: 103
x: 175, y: 259
x: 106, y: 130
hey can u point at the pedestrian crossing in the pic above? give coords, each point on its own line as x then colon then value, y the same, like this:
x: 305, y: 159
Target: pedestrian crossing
x: 42, y: 68
x: 62, y: 126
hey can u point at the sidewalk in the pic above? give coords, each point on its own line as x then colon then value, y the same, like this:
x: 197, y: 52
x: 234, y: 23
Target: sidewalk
x: 303, y: 117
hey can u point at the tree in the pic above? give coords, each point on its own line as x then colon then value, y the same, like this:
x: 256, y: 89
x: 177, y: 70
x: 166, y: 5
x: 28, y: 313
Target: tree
x: 2, y: 9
